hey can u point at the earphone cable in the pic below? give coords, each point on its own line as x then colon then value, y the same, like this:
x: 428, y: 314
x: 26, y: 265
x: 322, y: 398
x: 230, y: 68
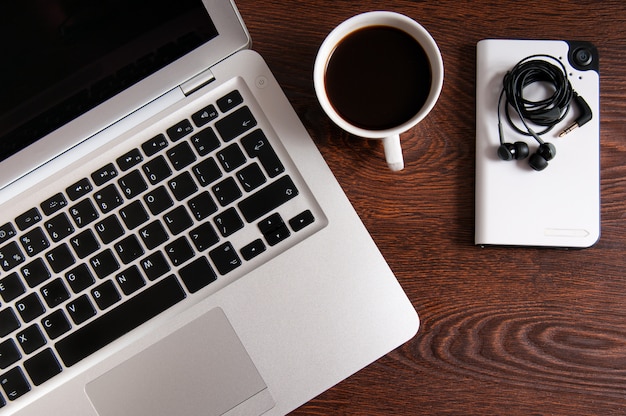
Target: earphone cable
x: 546, y: 112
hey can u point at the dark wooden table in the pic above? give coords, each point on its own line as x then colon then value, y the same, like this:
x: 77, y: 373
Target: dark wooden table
x: 515, y: 331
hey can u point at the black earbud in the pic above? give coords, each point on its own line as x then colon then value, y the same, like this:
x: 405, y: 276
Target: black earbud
x: 539, y: 160
x: 511, y: 151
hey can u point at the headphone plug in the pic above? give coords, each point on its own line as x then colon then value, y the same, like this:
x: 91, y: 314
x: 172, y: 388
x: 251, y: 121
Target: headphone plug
x: 585, y: 115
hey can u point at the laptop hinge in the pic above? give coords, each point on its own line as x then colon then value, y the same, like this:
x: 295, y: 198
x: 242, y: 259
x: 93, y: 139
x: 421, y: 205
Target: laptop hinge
x: 197, y: 82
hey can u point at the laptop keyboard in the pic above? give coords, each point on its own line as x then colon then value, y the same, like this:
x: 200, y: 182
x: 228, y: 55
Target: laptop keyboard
x: 138, y: 235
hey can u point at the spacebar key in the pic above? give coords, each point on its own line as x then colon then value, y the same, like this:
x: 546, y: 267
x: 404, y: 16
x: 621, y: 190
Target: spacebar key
x: 117, y: 322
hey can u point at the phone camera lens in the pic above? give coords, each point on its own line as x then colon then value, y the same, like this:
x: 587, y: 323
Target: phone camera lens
x: 583, y: 56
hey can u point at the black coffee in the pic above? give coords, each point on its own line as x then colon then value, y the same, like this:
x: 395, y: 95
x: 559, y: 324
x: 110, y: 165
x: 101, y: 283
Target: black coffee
x: 378, y: 77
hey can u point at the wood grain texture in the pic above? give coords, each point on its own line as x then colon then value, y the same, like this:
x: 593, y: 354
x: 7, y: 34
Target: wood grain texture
x: 515, y: 331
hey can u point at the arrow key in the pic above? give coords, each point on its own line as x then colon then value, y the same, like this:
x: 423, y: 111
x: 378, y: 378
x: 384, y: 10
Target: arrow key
x: 253, y: 249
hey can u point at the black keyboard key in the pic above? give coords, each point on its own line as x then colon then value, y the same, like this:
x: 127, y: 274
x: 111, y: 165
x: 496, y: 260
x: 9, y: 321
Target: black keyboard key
x: 35, y: 272
x: 42, y: 367
x: 228, y: 222
x: 6, y: 232
x: 108, y: 199
x: 104, y: 174
x: 59, y: 227
x: 153, y: 234
x: 182, y: 186
x: 204, y: 236
x: 250, y: 251
x: 79, y: 189
x: 130, y: 159
x: 11, y: 256
x: 84, y: 213
x: 30, y: 307
x: 178, y: 220
x: 55, y: 293
x: 207, y: 171
x: 205, y: 141
x: 251, y: 177
x: 229, y: 101
x: 202, y: 206
x: 104, y: 263
x: 34, y: 241
x: 80, y: 309
x: 181, y: 156
x: 9, y: 353
x: 158, y: 200
x: 132, y: 184
x: 277, y: 235
x: 274, y: 229
x: 27, y: 219
x: 235, y: 124
x: 231, y: 157
x: 225, y: 258
x: 79, y: 278
x: 14, y: 383
x: 11, y: 287
x: 271, y: 223
x: 134, y: 214
x: 105, y: 295
x: 8, y: 321
x: 301, y: 220
x: 128, y: 249
x: 155, y: 265
x: 109, y: 229
x: 60, y: 258
x: 130, y: 280
x: 205, y: 115
x: 56, y: 324
x: 31, y: 339
x: 156, y: 170
x: 179, y: 251
x: 257, y: 145
x: 226, y: 191
x: 197, y: 274
x: 84, y: 244
x: 120, y: 320
x: 154, y: 145
x: 268, y: 199
x: 53, y: 204
x: 179, y: 130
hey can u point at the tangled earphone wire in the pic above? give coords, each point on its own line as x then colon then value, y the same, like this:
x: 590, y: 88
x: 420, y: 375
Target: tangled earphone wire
x: 546, y: 112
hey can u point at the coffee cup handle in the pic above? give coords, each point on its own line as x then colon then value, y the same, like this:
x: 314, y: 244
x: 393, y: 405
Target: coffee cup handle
x: 393, y: 152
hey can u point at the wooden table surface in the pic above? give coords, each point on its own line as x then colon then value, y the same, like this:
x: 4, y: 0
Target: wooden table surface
x: 504, y: 331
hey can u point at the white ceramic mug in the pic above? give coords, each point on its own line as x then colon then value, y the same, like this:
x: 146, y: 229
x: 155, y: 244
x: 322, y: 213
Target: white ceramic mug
x: 389, y: 134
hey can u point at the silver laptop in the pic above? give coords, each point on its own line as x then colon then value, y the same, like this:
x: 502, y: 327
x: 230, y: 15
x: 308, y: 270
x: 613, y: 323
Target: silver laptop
x: 171, y: 240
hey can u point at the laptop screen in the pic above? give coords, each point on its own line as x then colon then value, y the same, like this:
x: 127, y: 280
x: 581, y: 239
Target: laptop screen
x: 62, y: 58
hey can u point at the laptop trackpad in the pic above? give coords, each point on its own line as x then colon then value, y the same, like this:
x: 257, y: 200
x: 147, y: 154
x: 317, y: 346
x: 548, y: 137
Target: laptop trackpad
x: 201, y: 369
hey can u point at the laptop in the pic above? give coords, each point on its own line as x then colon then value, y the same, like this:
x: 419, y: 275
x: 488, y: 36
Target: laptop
x: 171, y: 240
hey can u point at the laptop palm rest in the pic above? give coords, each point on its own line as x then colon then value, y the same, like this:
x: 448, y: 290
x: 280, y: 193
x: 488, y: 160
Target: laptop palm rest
x: 200, y: 369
